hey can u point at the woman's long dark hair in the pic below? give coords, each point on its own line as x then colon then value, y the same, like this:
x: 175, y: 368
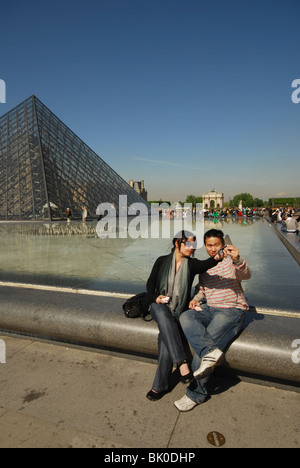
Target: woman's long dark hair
x: 181, y: 237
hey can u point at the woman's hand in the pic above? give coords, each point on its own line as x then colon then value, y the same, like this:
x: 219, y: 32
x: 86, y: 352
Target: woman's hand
x: 162, y: 300
x: 220, y: 257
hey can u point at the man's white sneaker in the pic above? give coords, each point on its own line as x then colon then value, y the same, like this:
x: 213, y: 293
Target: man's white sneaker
x: 209, y: 362
x: 185, y: 404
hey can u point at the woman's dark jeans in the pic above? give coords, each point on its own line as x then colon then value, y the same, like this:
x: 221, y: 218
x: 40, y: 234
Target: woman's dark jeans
x: 170, y: 346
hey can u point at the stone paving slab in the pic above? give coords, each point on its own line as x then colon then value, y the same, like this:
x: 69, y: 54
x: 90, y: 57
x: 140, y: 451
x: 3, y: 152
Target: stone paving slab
x: 55, y: 396
x: 22, y: 431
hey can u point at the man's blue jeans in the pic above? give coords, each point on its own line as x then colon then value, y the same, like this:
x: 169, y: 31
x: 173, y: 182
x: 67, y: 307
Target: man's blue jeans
x: 207, y: 330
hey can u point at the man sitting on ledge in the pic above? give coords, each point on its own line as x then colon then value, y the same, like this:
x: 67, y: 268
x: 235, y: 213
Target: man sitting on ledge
x: 291, y: 225
x: 216, y: 315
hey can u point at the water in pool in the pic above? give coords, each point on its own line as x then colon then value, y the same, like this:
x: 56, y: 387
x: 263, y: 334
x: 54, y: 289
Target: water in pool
x: 73, y: 256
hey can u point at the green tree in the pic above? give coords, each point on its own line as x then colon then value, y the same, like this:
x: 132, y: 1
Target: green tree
x: 193, y: 199
x: 258, y: 202
x: 246, y: 198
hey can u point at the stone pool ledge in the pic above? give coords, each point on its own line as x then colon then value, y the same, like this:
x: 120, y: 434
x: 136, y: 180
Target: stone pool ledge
x: 290, y: 240
x: 266, y: 350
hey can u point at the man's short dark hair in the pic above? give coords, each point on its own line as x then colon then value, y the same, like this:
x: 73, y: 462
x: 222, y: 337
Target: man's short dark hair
x: 214, y: 233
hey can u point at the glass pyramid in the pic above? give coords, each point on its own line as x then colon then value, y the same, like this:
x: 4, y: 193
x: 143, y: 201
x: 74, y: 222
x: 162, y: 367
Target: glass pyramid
x: 45, y: 168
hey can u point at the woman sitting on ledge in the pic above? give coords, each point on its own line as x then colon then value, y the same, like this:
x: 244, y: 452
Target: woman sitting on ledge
x: 169, y: 289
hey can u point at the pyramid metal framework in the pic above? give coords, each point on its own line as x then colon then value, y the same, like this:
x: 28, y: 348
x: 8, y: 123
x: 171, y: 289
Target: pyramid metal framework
x: 45, y: 168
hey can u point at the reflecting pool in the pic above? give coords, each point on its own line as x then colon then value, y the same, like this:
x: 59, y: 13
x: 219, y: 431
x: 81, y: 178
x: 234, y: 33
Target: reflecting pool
x: 73, y: 256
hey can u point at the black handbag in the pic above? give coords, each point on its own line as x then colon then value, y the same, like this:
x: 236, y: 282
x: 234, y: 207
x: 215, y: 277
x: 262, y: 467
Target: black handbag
x: 138, y: 306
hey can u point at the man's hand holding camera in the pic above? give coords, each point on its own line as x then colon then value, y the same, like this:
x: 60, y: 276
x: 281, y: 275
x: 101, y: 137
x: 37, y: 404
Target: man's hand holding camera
x: 233, y: 252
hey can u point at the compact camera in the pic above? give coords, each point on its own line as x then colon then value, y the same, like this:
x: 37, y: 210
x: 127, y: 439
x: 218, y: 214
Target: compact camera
x: 221, y: 251
x: 166, y: 300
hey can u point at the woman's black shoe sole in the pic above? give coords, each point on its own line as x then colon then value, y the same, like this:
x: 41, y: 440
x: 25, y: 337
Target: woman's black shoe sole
x: 152, y: 396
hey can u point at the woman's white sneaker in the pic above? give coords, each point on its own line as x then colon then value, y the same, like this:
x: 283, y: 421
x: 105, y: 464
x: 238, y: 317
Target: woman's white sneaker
x: 209, y: 362
x: 185, y: 404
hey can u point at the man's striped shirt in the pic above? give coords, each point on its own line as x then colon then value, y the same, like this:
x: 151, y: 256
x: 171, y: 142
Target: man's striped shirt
x: 221, y: 285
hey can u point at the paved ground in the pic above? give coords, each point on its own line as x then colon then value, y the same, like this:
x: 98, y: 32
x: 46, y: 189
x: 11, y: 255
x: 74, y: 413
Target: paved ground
x: 55, y: 396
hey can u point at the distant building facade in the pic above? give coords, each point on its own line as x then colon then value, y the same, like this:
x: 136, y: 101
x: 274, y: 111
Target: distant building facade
x: 213, y: 200
x: 139, y: 187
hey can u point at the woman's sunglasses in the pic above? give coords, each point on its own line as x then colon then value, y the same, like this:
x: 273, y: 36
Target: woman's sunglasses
x: 190, y: 245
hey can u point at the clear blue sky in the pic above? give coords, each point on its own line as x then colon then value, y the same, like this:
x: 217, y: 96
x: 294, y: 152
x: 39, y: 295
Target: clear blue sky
x: 189, y: 95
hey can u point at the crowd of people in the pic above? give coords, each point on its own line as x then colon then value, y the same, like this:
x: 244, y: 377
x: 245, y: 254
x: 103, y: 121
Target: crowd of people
x: 288, y: 218
x: 233, y: 212
x: 214, y: 213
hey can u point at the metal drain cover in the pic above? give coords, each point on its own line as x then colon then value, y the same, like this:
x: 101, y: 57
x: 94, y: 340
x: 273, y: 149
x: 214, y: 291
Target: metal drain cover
x: 216, y: 438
